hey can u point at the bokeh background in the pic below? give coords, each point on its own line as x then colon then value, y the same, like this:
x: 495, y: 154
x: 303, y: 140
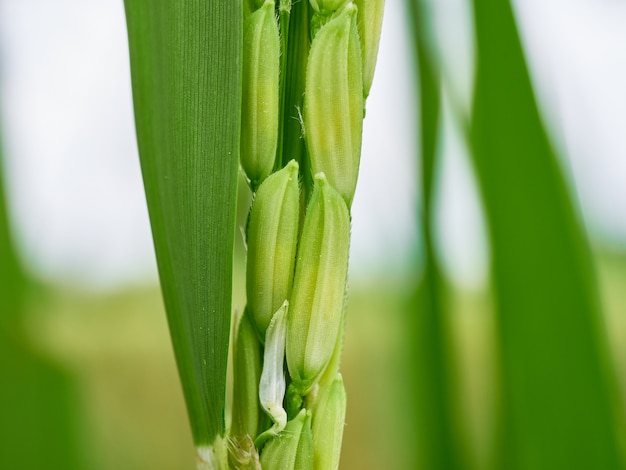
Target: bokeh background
x: 99, y: 362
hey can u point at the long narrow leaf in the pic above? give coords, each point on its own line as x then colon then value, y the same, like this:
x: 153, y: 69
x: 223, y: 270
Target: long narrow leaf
x: 11, y: 275
x: 38, y: 414
x: 186, y: 70
x: 439, y: 445
x: 556, y: 391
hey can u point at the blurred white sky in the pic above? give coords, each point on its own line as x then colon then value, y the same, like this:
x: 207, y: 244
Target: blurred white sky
x: 74, y: 178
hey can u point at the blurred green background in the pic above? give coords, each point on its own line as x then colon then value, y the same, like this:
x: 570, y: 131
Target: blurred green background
x: 87, y: 375
x: 111, y: 354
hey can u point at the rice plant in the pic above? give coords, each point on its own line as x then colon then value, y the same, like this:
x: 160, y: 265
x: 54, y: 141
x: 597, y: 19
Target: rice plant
x: 270, y: 95
x: 282, y: 85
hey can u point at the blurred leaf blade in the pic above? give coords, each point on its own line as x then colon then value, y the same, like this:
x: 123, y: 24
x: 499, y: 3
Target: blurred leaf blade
x: 39, y: 419
x: 38, y: 416
x: 557, y: 392
x: 439, y: 442
x: 11, y: 275
x: 186, y: 70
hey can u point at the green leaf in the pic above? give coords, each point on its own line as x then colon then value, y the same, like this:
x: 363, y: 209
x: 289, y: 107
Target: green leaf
x: 439, y: 443
x: 38, y: 413
x: 186, y: 70
x: 557, y: 393
x: 11, y: 275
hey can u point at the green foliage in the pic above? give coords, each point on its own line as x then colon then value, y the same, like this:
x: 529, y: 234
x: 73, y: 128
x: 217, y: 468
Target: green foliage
x: 186, y: 70
x: 38, y: 413
x: 12, y: 280
x: 439, y: 444
x: 557, y: 395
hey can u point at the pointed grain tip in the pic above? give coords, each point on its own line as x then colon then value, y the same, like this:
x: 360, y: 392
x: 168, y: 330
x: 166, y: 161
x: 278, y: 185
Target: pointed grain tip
x: 320, y: 178
x: 293, y: 168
